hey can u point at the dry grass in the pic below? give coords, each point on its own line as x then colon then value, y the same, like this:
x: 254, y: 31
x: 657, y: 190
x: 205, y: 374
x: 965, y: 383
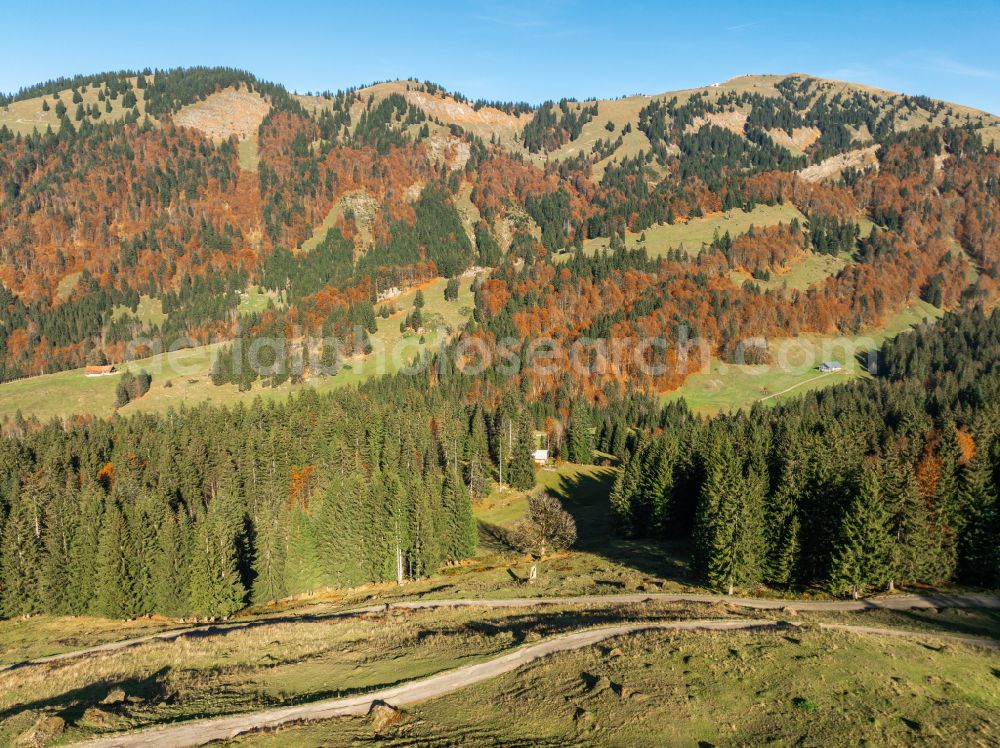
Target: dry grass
x: 26, y: 115
x: 800, y: 139
x: 67, y: 284
x: 249, y: 156
x: 692, y: 235
x: 832, y: 167
x: 364, y: 207
x: 285, y: 661
x: 40, y: 636
x: 467, y: 211
x: 805, y: 272
x: 745, y: 688
x: 149, y: 311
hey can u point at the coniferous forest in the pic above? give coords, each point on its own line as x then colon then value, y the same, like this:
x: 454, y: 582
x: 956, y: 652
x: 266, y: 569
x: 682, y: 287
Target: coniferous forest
x: 208, y: 510
x: 855, y: 489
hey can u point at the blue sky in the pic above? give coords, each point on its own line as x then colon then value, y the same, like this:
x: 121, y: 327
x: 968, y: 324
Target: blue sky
x: 519, y: 50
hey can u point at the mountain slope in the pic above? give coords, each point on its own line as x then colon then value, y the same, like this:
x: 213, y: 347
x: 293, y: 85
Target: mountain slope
x: 201, y: 183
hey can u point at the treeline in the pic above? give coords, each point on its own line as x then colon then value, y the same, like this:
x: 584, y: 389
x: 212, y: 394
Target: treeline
x: 856, y: 489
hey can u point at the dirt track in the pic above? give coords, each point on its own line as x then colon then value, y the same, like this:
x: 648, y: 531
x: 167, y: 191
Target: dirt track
x: 895, y: 602
x: 224, y: 728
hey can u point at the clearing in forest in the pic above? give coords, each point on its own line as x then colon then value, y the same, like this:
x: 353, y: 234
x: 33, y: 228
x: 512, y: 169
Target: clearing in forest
x: 696, y: 232
x: 725, y: 387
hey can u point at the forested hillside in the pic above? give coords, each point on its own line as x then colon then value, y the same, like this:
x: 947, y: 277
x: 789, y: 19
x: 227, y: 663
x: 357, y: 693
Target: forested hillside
x: 205, y: 513
x: 139, y: 213
x: 854, y: 489
x: 101, y: 209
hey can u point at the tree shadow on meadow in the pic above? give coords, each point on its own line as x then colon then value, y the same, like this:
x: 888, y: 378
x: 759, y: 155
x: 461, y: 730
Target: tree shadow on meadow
x: 585, y: 496
x: 972, y: 622
x: 72, y: 704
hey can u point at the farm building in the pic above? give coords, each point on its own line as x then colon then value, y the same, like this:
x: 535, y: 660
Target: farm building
x: 541, y: 456
x: 830, y: 366
x: 100, y: 371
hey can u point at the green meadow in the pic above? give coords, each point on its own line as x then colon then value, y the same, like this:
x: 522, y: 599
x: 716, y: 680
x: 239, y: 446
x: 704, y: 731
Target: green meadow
x: 725, y: 387
x: 182, y: 377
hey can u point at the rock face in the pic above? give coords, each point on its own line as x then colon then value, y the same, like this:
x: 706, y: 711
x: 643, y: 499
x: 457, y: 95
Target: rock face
x: 43, y: 732
x: 383, y: 715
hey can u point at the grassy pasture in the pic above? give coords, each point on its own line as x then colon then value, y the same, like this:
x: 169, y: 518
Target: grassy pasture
x: 600, y: 562
x: 619, y: 111
x: 696, y: 232
x: 149, y: 311
x: 364, y: 207
x: 467, y: 211
x: 727, y: 387
x: 747, y: 688
x: 319, y: 233
x: 249, y: 158
x: 254, y: 300
x: 67, y: 393
x: 66, y: 285
x: 805, y: 272
x: 22, y: 117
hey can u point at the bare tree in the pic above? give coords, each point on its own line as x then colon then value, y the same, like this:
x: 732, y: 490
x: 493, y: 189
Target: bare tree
x: 548, y: 527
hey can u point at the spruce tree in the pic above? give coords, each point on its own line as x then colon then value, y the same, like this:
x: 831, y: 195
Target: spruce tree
x: 20, y: 556
x: 461, y: 532
x: 341, y: 536
x: 83, y: 552
x: 427, y: 521
x: 979, y: 556
x: 580, y: 442
x: 863, y: 555
x: 622, y: 494
x: 172, y: 570
x: 657, y: 486
x: 781, y: 514
x: 730, y: 533
x: 216, y: 586
x: 398, y: 528
x: 475, y: 454
x: 115, y: 592
x: 521, y: 468
x: 918, y: 552
x: 60, y: 525
x: 270, y: 554
x: 144, y: 516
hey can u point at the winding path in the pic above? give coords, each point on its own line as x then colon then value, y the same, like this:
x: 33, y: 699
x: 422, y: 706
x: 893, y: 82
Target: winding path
x: 225, y: 728
x: 894, y: 602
